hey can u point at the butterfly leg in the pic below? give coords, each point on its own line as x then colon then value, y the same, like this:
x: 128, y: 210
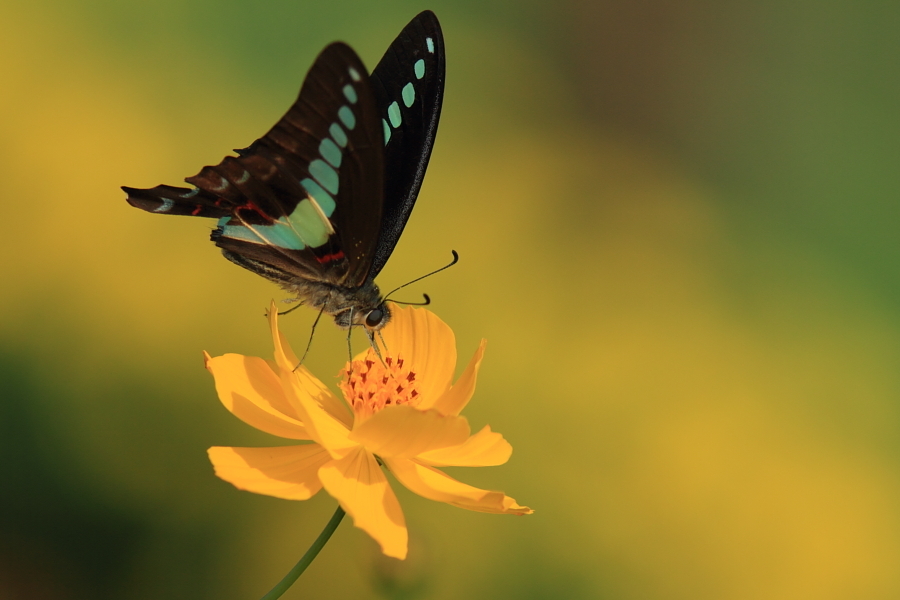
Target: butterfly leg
x: 311, y: 334
x: 292, y: 309
x: 349, y: 333
x: 383, y: 343
x: 371, y: 337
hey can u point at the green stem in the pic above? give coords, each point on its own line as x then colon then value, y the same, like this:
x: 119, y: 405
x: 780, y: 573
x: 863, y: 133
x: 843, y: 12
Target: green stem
x: 311, y: 554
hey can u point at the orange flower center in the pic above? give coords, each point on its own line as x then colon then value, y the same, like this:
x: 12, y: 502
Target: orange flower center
x: 370, y: 385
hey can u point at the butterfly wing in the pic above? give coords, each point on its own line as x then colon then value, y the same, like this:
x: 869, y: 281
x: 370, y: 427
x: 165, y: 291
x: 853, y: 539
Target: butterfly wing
x: 409, y: 88
x: 305, y: 200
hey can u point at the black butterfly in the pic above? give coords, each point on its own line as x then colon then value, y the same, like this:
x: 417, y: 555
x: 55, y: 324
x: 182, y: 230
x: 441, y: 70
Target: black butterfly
x: 319, y: 202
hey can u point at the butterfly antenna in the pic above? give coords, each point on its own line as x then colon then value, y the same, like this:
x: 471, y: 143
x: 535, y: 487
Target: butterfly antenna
x: 427, y: 299
x: 425, y: 303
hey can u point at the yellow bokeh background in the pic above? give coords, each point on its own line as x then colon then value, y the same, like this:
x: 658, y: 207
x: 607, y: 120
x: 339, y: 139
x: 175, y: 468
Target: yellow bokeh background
x: 677, y: 229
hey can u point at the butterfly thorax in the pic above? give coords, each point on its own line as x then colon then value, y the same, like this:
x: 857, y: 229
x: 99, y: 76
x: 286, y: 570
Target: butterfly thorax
x: 350, y: 307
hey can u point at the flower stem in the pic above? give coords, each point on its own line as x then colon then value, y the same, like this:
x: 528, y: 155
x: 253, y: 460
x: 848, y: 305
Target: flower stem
x: 311, y: 554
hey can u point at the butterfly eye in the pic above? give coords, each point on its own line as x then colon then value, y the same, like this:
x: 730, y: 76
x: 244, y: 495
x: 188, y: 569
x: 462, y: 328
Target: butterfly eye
x: 374, y: 318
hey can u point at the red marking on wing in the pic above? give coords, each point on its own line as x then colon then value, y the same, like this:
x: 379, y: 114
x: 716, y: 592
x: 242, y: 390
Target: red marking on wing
x: 196, y: 211
x: 251, y: 206
x: 330, y: 257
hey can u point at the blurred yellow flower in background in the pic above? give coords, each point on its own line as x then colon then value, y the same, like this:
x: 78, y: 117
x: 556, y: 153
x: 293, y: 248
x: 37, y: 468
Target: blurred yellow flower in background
x: 402, y: 413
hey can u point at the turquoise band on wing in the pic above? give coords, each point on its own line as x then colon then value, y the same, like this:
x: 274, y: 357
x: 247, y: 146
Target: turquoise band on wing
x: 338, y: 135
x: 279, y: 234
x: 330, y: 152
x: 347, y: 117
x: 350, y: 93
x: 394, y: 115
x: 407, y: 94
x: 322, y: 198
x: 307, y: 226
x: 325, y: 175
x: 303, y: 228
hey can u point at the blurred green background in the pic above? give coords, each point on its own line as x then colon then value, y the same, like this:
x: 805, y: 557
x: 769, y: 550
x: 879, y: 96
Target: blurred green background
x: 678, y: 229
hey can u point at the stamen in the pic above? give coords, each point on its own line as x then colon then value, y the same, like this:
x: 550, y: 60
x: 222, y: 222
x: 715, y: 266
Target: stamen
x: 371, y: 385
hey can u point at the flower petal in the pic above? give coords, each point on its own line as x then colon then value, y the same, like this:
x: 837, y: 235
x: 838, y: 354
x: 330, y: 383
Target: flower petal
x: 249, y: 388
x: 359, y: 485
x: 284, y: 356
x: 436, y: 485
x: 455, y: 399
x: 427, y: 344
x: 484, y: 449
x: 289, y: 472
x: 404, y: 431
x: 309, y: 396
x: 287, y: 361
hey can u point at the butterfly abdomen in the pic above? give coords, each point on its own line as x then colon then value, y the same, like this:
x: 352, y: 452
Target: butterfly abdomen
x: 348, y: 306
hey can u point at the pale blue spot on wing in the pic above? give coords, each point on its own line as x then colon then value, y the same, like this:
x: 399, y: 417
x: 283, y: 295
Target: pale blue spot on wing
x: 354, y: 74
x: 347, y: 117
x: 244, y: 178
x: 165, y: 206
x: 419, y: 68
x: 430, y: 43
x: 279, y: 234
x: 408, y: 94
x: 191, y: 193
x: 338, y: 135
x: 325, y: 175
x: 223, y: 183
x: 307, y: 222
x: 305, y: 226
x: 350, y: 94
x: 394, y: 115
x: 322, y: 198
x: 330, y: 152
x: 387, y: 132
x: 239, y: 232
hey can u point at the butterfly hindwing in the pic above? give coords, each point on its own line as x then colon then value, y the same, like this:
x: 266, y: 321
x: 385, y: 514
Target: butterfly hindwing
x: 171, y: 200
x: 409, y: 88
x: 305, y: 199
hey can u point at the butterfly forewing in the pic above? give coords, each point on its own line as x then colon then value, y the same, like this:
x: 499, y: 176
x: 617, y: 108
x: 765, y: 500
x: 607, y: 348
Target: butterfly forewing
x: 409, y: 88
x: 305, y: 199
x: 318, y: 203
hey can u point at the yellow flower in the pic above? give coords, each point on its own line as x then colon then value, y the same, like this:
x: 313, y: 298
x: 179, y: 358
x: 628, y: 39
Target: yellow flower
x: 402, y: 413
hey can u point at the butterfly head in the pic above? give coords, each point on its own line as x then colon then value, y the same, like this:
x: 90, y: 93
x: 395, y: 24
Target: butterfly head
x: 360, y: 307
x: 377, y: 317
x: 372, y: 319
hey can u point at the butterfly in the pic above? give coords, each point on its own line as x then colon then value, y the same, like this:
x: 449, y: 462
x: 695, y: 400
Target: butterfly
x: 318, y: 203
